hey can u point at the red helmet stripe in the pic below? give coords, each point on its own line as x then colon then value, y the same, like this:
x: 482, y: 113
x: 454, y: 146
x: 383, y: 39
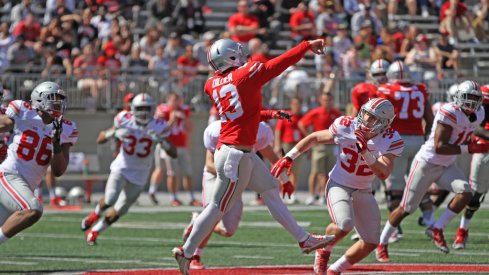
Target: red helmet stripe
x: 400, y: 69
x: 380, y: 63
x: 376, y: 103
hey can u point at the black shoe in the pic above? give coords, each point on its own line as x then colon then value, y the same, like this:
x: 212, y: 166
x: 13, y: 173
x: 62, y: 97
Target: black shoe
x: 153, y: 199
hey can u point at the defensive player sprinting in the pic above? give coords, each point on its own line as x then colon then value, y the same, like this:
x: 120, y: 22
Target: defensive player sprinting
x: 235, y: 89
x: 230, y: 221
x: 139, y: 134
x: 40, y: 138
x: 453, y: 128
x: 367, y: 149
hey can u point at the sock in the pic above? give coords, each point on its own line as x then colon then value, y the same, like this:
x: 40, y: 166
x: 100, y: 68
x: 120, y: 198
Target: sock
x: 173, y: 196
x: 464, y: 223
x: 445, y: 218
x: 340, y: 265
x: 3, y: 238
x: 429, y: 217
x: 192, y: 196
x: 100, y: 226
x: 97, y: 209
x: 281, y: 214
x: 203, y: 226
x: 52, y: 194
x: 152, y: 188
x: 386, y: 233
x: 198, y: 251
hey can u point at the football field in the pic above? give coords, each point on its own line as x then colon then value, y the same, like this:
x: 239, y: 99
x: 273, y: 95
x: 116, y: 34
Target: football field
x: 142, y: 241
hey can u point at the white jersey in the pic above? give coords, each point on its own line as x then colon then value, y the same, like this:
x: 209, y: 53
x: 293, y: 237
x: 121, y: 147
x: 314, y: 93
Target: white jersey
x: 437, y: 106
x: 136, y: 151
x: 350, y: 169
x: 462, y: 132
x: 264, y: 137
x: 30, y: 150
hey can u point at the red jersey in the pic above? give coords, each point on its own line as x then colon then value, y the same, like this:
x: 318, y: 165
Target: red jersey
x: 178, y: 136
x: 409, y: 104
x: 289, y: 131
x: 237, y: 95
x: 238, y: 19
x: 362, y: 93
x: 320, y: 118
x: 459, y: 10
x: 300, y: 18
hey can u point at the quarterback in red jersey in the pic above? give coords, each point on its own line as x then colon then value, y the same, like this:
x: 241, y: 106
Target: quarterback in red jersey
x: 365, y: 91
x: 235, y: 89
x: 411, y: 106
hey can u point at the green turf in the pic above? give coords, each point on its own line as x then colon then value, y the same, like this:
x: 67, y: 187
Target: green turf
x: 145, y: 241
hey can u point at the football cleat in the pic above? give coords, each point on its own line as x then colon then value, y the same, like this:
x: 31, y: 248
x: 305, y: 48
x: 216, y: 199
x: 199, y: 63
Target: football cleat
x: 314, y: 242
x: 439, y: 240
x: 91, y: 237
x: 196, y: 203
x: 57, y: 201
x: 460, y: 238
x: 355, y: 236
x: 188, y: 229
x: 321, y: 261
x: 396, y: 236
x: 175, y: 203
x: 89, y: 221
x: 332, y: 272
x: 195, y: 263
x: 381, y: 254
x: 183, y: 263
x: 429, y: 232
x: 153, y: 199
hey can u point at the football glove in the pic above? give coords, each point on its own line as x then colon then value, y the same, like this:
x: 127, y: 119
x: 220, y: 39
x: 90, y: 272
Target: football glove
x: 275, y: 114
x: 281, y: 164
x: 361, y: 141
x: 56, y: 134
x: 287, y: 188
x: 475, y: 148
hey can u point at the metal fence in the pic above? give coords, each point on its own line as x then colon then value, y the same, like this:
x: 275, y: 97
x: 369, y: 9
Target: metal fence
x: 108, y: 92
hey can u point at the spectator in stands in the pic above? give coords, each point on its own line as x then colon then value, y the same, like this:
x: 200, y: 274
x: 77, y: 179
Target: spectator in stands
x: 455, y: 18
x: 409, y: 41
x: 323, y: 156
x: 150, y: 42
x: 242, y: 25
x: 264, y: 10
x: 327, y: 65
x: 365, y: 14
x: 86, y: 32
x: 123, y: 39
x: 55, y: 65
x: 328, y: 20
x: 258, y: 50
x: 187, y: 65
x: 6, y: 40
x: 422, y: 60
x: 481, y: 12
x: 353, y: 66
x: 85, y: 70
x: 188, y: 17
x: 287, y: 134
x: 20, y: 11
x: 201, y: 49
x: 21, y: 55
x: 174, y: 48
x: 101, y: 22
x: 448, y: 58
x: 52, y: 5
x: 160, y: 64
x: 368, y: 38
x: 136, y: 65
x: 341, y: 41
x: 160, y: 10
x: 29, y: 27
x: 302, y: 23
x: 109, y: 64
x: 392, y: 6
x: 285, y: 10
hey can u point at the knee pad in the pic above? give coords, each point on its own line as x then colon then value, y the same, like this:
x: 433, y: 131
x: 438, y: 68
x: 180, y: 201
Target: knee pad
x: 393, y: 199
x: 345, y: 225
x: 474, y: 204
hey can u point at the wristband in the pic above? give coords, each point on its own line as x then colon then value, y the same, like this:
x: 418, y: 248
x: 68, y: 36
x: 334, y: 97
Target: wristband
x: 109, y: 133
x: 464, y: 149
x: 369, y: 158
x: 293, y: 153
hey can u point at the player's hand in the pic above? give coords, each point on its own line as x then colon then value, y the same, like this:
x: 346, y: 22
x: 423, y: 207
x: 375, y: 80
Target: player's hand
x: 287, y: 188
x: 361, y: 141
x: 153, y: 135
x: 475, y: 148
x: 280, y: 114
x: 122, y: 133
x: 281, y: 164
x: 317, y: 46
x: 57, y: 129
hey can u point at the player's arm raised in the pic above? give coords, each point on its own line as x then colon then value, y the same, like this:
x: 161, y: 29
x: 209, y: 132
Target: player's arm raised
x: 105, y: 135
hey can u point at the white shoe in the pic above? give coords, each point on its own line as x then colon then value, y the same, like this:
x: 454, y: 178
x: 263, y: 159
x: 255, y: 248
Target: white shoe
x: 314, y: 242
x: 355, y: 236
x: 310, y: 200
x: 183, y: 263
x: 322, y: 201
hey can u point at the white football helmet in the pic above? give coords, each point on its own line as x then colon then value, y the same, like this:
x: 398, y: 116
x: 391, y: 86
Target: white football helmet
x: 380, y: 108
x: 60, y: 192
x: 469, y: 96
x: 50, y: 98
x: 398, y: 72
x: 142, y: 106
x: 378, y: 71
x: 225, y: 54
x: 452, y: 93
x: 76, y: 192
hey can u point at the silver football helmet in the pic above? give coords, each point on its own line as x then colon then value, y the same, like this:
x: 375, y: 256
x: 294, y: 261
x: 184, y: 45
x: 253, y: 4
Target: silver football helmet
x: 225, y: 54
x: 398, y: 72
x: 142, y: 106
x: 382, y: 110
x: 50, y: 98
x: 452, y: 93
x: 378, y: 71
x: 469, y: 96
